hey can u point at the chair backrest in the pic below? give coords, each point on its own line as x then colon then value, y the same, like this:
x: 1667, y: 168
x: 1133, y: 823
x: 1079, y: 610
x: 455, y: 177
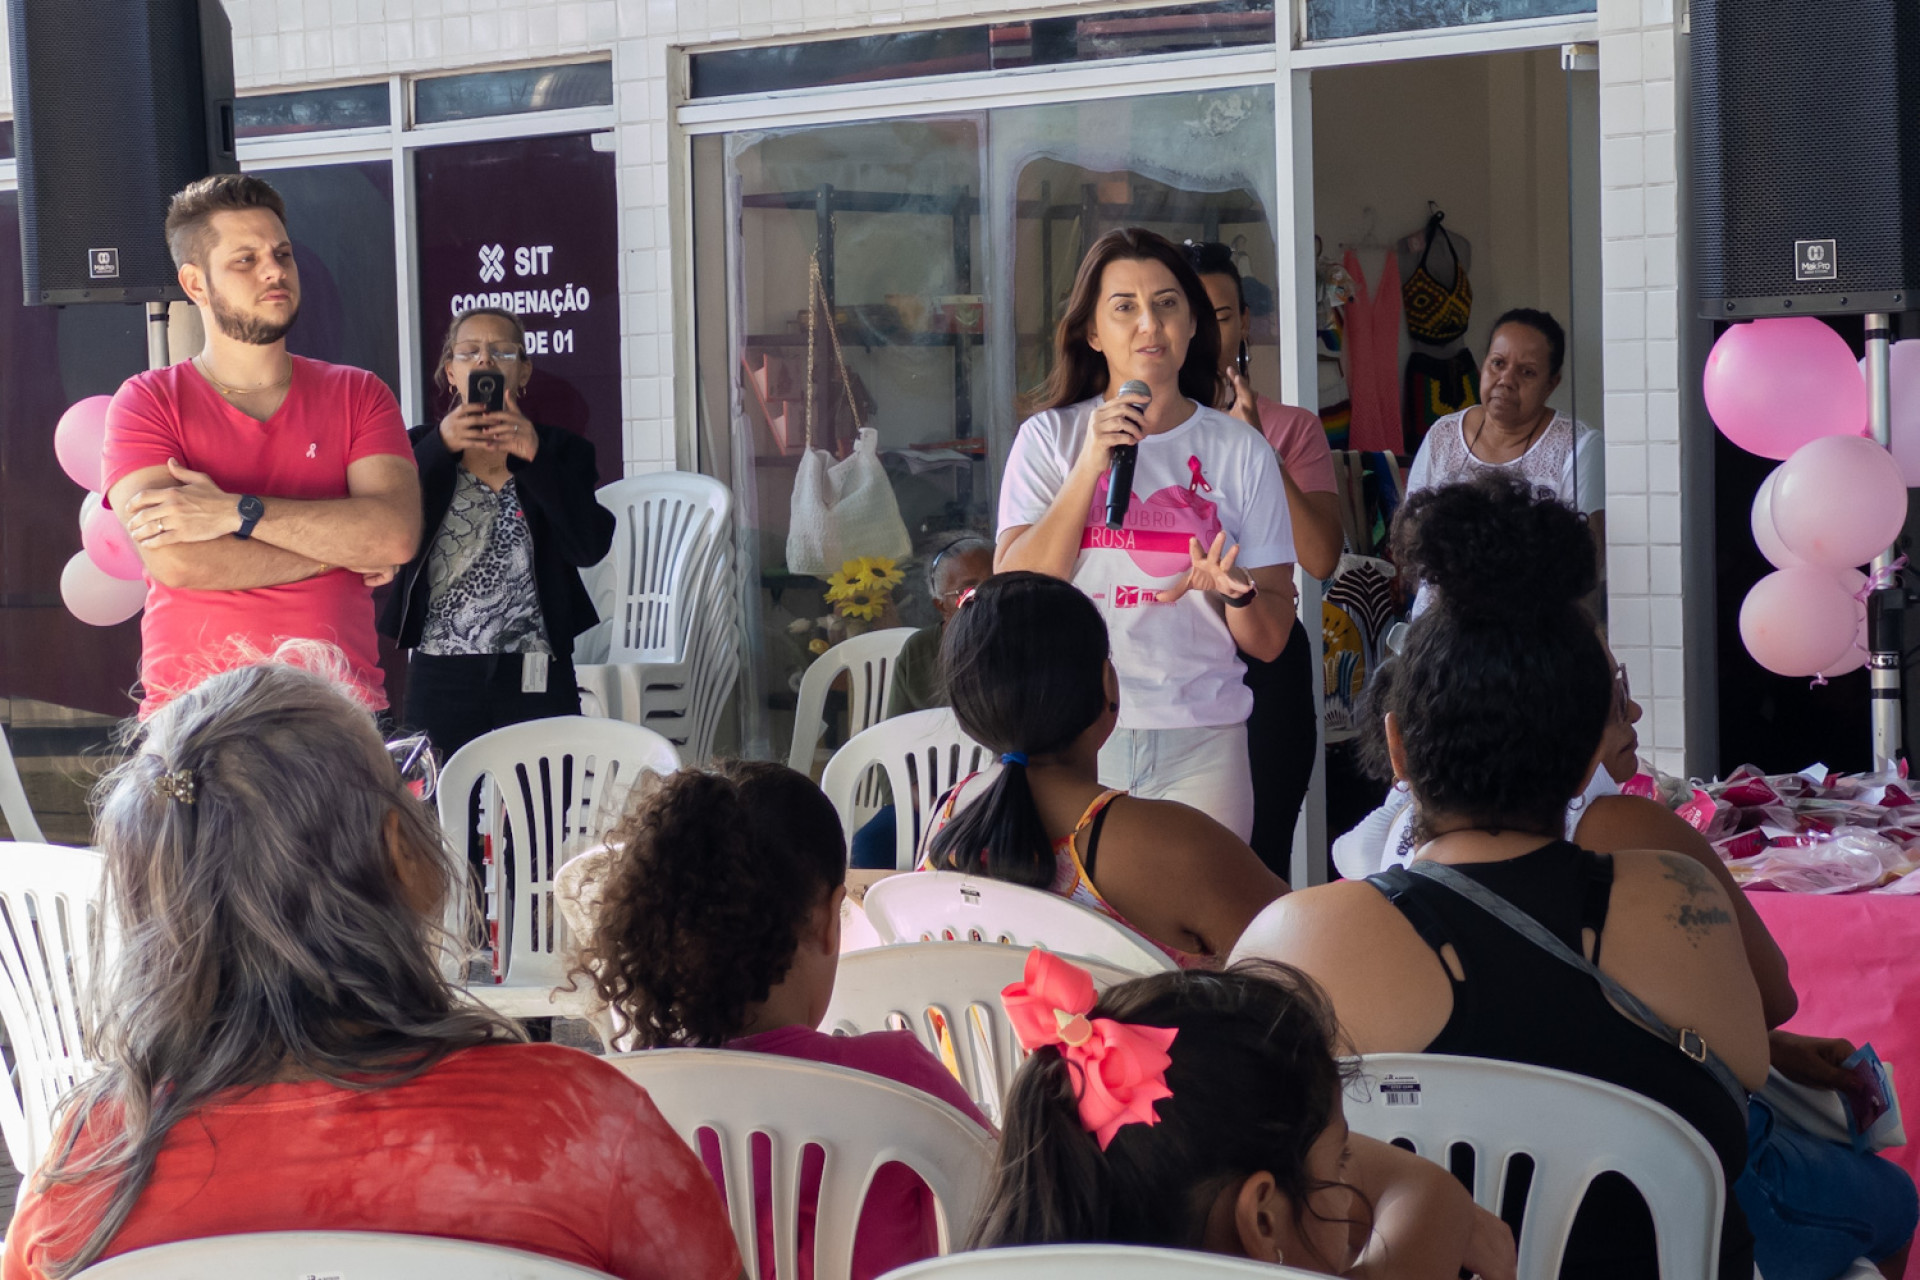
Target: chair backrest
x: 1095, y: 1262
x: 859, y: 1122
x: 21, y: 824
x: 868, y: 661
x: 922, y: 753
x: 53, y: 935
x: 1568, y: 1128
x: 553, y: 788
x: 335, y: 1255
x: 670, y: 527
x: 948, y: 995
x: 950, y: 906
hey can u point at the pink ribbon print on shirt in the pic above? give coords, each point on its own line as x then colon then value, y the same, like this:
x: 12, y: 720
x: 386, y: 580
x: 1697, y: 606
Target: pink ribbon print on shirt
x: 1160, y: 528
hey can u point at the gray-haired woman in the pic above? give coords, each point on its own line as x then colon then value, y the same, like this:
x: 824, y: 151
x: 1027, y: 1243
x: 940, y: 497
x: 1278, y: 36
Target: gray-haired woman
x: 278, y: 1047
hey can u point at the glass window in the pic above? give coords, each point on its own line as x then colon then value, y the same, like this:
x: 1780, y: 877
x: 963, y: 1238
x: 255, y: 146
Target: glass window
x: 946, y: 247
x: 341, y: 219
x: 1337, y: 19
x: 1031, y: 42
x: 437, y: 99
x: 49, y: 358
x: 529, y: 225
x: 353, y: 106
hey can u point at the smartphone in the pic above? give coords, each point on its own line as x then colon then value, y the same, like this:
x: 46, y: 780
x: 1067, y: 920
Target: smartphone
x: 487, y: 387
x: 1865, y: 1095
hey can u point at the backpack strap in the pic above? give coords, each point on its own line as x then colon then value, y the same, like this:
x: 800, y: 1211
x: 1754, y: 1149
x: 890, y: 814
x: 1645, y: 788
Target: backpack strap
x: 1687, y: 1040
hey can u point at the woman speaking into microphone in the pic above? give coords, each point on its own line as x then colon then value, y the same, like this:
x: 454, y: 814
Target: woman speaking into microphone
x: 1201, y: 562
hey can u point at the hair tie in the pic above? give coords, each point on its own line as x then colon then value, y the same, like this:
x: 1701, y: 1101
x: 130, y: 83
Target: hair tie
x: 1014, y: 757
x: 178, y: 785
x: 1119, y: 1069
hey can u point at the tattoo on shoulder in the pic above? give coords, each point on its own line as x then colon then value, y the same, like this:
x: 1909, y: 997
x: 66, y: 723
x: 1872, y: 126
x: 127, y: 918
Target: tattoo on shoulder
x: 1700, y: 913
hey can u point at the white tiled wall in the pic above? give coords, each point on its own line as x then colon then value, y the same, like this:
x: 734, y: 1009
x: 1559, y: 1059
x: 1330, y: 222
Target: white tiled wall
x: 1640, y: 316
x: 290, y: 42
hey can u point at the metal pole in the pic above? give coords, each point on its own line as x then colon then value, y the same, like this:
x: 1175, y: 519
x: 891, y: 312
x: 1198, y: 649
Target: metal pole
x: 158, y: 356
x: 1886, y: 607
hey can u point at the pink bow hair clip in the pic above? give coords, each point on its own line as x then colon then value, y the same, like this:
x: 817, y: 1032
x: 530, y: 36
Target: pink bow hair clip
x: 1119, y: 1069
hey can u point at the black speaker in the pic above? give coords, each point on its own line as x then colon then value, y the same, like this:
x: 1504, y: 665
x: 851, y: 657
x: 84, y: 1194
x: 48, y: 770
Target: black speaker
x: 1805, y: 156
x: 117, y: 104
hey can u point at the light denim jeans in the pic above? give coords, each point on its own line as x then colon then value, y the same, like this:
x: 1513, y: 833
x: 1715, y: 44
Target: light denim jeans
x: 1204, y: 768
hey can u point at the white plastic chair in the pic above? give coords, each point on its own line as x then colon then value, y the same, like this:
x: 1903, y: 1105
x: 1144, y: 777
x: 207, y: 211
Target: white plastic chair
x: 53, y: 934
x: 21, y: 824
x: 949, y: 906
x: 1095, y: 1262
x: 868, y: 661
x: 859, y: 1122
x: 20, y: 820
x: 334, y: 1255
x: 923, y: 754
x: 948, y: 995
x: 553, y: 788
x: 669, y: 531
x: 1571, y: 1127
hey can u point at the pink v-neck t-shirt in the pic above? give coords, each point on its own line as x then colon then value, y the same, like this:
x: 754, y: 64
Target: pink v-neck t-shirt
x: 333, y: 416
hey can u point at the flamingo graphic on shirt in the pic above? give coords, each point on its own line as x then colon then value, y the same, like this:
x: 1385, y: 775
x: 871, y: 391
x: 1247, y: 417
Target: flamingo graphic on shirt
x: 1158, y: 531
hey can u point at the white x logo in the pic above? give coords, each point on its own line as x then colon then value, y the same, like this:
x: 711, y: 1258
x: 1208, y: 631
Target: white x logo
x: 493, y: 262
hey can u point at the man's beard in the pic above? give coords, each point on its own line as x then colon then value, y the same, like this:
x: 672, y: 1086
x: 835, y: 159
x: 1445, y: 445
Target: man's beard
x: 250, y: 329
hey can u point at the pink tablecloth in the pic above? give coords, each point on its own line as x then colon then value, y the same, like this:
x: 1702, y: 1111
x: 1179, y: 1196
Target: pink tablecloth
x: 1855, y: 960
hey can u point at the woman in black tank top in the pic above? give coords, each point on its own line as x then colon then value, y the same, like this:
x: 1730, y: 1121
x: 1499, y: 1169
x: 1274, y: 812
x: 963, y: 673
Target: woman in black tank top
x: 1494, y: 718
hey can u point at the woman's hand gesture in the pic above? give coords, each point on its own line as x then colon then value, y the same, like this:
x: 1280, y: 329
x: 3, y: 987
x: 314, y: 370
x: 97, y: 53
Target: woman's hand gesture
x: 512, y: 433
x: 467, y: 427
x: 1120, y: 421
x: 1211, y: 571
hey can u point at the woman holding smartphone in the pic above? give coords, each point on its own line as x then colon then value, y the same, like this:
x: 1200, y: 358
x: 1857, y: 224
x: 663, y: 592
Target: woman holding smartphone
x: 1201, y: 567
x: 492, y: 602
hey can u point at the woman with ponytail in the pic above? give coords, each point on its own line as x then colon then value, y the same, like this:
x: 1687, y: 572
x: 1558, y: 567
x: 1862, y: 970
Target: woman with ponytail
x: 1029, y: 676
x: 718, y: 926
x: 1203, y: 1111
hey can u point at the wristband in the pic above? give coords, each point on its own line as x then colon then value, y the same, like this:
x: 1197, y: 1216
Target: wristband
x: 1241, y: 602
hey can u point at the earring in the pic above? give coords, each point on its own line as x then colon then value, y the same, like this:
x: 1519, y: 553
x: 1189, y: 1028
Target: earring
x: 1243, y: 352
x: 1113, y: 706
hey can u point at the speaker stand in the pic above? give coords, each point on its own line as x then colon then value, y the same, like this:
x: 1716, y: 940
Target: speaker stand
x: 1886, y: 607
x: 158, y: 357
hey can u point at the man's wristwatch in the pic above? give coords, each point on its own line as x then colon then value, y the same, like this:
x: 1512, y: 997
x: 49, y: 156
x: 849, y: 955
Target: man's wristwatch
x: 251, y: 509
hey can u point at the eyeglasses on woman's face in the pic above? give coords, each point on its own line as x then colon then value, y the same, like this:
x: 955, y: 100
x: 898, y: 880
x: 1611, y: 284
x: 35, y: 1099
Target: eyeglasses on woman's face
x: 468, y: 353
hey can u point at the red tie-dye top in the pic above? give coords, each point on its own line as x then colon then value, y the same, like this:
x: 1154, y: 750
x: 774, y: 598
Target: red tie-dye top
x: 531, y: 1147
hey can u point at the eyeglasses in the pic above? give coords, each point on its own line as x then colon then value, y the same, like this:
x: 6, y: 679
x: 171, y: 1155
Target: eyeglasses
x: 500, y: 355
x: 1622, y: 693
x: 413, y: 759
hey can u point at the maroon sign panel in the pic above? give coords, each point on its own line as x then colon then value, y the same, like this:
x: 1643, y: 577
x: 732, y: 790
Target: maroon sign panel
x: 529, y: 225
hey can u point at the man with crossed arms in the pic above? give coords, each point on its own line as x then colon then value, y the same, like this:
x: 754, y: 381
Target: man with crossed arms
x: 268, y: 493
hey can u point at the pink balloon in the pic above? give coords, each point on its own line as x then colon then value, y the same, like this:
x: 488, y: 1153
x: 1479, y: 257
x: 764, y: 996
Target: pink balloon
x: 1797, y: 622
x: 1904, y: 393
x: 1765, y: 536
x: 109, y: 546
x: 1773, y: 385
x: 1839, y: 501
x: 95, y: 598
x: 1852, y: 581
x: 79, y: 439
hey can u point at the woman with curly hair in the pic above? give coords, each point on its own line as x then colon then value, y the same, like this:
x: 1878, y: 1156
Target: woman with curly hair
x: 1225, y: 1133
x: 719, y: 927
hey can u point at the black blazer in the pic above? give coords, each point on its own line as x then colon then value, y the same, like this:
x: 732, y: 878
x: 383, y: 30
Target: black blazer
x: 570, y: 529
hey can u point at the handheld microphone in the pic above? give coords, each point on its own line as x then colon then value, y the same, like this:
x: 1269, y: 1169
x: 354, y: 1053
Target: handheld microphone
x: 1120, y: 469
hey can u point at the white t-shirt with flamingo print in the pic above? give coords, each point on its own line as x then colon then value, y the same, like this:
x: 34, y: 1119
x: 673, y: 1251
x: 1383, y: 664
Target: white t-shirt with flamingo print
x: 1178, y: 664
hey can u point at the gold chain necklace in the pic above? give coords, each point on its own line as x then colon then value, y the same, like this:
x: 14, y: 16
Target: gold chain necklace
x: 200, y: 363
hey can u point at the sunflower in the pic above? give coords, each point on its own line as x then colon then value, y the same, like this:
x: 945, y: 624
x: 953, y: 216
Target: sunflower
x: 863, y: 587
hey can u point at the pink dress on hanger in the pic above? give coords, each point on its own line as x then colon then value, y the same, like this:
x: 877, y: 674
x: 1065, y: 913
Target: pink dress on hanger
x: 1373, y: 357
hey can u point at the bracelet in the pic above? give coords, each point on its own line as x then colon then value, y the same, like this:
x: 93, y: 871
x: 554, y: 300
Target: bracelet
x: 1241, y: 602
